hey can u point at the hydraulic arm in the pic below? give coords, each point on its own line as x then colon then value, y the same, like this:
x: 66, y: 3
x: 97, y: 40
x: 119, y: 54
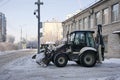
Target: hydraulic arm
x: 100, y: 43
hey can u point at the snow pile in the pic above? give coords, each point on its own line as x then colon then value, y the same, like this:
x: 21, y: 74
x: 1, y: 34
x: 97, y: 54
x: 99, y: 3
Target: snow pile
x: 22, y: 63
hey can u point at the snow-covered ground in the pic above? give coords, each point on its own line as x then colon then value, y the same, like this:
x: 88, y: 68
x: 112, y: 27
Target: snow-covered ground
x: 27, y: 69
x: 12, y: 51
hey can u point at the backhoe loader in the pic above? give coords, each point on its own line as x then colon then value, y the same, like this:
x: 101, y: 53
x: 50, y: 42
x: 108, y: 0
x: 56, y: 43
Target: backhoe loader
x: 80, y: 47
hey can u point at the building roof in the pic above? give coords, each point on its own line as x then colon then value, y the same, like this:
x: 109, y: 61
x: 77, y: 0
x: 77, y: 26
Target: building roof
x: 90, y: 9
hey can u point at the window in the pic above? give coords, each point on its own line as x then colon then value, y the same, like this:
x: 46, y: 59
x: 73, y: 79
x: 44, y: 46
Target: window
x: 85, y: 23
x: 105, y: 39
x: 67, y: 28
x: 98, y: 18
x: 105, y: 16
x: 91, y: 22
x: 74, y: 25
x: 90, y: 40
x: 72, y: 37
x: 70, y: 28
x: 80, y: 24
x: 115, y: 12
x: 77, y: 27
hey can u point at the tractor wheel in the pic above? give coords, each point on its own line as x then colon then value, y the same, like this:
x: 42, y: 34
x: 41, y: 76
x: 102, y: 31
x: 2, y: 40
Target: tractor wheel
x: 88, y: 60
x: 53, y: 58
x: 60, y: 60
x: 78, y: 62
x: 52, y: 61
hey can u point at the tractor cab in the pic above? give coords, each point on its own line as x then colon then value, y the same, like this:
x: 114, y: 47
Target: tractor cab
x: 79, y: 39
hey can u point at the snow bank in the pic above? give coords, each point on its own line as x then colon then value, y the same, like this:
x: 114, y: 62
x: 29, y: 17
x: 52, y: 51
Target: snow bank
x: 112, y: 60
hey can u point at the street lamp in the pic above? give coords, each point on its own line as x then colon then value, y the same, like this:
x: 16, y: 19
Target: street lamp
x: 38, y: 3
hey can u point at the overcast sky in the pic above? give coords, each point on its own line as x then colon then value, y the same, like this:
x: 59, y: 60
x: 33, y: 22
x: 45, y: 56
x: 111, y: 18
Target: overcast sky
x: 19, y: 13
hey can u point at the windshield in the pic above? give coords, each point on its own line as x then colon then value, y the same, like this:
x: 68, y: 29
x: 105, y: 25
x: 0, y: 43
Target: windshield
x: 79, y: 38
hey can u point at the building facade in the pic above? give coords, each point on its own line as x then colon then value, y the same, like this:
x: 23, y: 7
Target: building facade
x: 52, y: 31
x: 2, y: 27
x: 105, y: 12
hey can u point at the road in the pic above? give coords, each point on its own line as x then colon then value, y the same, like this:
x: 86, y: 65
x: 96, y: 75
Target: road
x: 19, y: 66
x: 4, y: 59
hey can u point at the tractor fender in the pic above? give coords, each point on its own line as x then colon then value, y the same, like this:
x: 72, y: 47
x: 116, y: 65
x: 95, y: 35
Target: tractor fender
x: 87, y: 49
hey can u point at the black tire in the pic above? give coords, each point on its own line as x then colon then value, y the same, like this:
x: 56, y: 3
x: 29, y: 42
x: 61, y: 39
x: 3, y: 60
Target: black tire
x: 53, y: 59
x: 78, y: 62
x: 60, y: 60
x: 88, y: 59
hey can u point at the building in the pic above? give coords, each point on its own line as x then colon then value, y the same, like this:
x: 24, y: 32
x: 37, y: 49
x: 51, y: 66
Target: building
x: 2, y: 27
x: 105, y: 12
x: 52, y: 31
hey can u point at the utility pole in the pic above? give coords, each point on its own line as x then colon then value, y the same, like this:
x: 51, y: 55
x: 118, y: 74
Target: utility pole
x: 38, y: 3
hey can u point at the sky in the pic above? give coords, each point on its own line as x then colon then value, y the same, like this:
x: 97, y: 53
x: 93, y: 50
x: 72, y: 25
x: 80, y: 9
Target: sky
x: 19, y: 14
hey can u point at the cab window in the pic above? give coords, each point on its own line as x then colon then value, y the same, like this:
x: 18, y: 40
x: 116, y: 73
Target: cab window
x: 72, y: 37
x: 90, y: 40
x: 79, y: 38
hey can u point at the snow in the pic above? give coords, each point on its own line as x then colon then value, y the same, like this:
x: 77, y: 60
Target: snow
x: 27, y: 69
x: 112, y: 60
x: 12, y: 51
x: 116, y: 32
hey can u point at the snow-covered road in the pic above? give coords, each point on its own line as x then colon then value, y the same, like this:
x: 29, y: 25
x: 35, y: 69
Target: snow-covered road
x: 26, y: 69
x: 9, y: 56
